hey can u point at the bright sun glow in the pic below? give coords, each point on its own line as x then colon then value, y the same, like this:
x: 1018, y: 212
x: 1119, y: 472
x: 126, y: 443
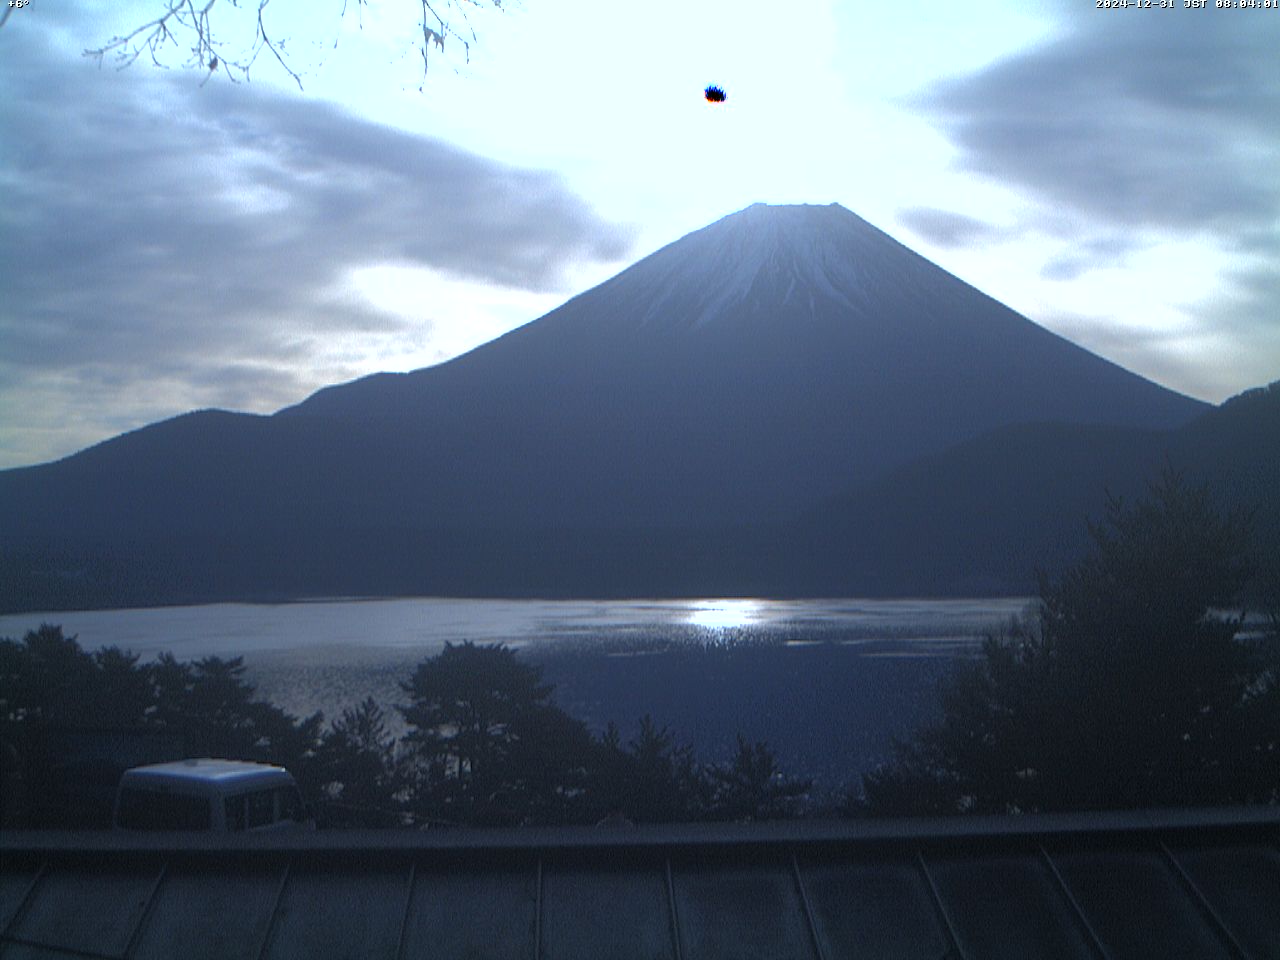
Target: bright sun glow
x: 724, y: 614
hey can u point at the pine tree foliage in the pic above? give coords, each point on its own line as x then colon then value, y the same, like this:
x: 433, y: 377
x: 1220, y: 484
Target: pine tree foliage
x: 488, y: 743
x: 1132, y: 685
x: 362, y: 776
x: 753, y: 787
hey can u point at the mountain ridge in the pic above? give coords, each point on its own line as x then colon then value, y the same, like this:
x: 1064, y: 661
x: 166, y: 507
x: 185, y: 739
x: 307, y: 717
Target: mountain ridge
x: 996, y: 508
x: 731, y: 380
x: 751, y: 241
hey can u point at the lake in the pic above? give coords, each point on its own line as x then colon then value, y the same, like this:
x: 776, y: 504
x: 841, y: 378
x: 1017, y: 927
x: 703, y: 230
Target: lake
x: 828, y: 683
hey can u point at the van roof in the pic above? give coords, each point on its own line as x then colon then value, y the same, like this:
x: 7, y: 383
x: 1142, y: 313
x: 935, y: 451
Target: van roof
x: 209, y: 770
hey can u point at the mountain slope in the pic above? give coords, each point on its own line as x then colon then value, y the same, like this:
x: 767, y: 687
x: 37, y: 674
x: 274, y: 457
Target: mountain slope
x: 730, y: 380
x: 983, y: 516
x: 761, y: 363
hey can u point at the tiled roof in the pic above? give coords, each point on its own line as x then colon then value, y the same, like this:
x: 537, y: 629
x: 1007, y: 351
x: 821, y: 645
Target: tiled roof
x: 1194, y: 884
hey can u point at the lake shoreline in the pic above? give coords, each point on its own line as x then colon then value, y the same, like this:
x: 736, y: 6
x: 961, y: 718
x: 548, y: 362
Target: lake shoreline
x: 827, y: 683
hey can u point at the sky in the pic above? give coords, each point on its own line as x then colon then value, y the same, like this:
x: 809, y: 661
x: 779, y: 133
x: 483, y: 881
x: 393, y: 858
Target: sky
x: 173, y: 240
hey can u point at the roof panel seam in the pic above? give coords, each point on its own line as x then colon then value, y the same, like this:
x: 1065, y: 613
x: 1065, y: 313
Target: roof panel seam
x: 44, y: 945
x: 275, y: 909
x: 808, y: 909
x: 940, y: 906
x: 1094, y: 940
x: 147, y: 907
x: 1202, y: 902
x: 21, y: 908
x: 537, y: 915
x: 671, y: 907
x: 408, y: 905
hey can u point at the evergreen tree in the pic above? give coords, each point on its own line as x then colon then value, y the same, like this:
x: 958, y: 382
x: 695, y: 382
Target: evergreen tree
x: 213, y: 708
x: 50, y: 689
x: 489, y: 745
x: 751, y: 787
x: 653, y: 778
x: 361, y: 775
x: 1127, y: 688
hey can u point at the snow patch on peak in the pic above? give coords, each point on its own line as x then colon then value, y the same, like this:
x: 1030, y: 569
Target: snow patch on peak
x: 791, y: 288
x: 764, y: 254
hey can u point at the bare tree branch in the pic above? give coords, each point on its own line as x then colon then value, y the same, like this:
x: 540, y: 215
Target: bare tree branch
x: 210, y: 53
x: 266, y: 42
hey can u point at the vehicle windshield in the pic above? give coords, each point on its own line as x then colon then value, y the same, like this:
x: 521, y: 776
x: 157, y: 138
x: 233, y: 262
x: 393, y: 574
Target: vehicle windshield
x: 141, y: 809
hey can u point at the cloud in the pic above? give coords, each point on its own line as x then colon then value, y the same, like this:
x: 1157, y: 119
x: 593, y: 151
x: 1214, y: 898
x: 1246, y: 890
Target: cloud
x: 1092, y: 249
x: 1168, y: 356
x: 1167, y: 123
x: 1246, y: 321
x: 192, y: 246
x: 1133, y: 130
x: 1068, y: 267
x: 944, y: 227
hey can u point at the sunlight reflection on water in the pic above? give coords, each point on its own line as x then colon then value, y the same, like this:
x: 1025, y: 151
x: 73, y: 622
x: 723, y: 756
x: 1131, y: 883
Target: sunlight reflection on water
x: 337, y: 629
x: 724, y: 614
x: 330, y: 654
x: 833, y: 680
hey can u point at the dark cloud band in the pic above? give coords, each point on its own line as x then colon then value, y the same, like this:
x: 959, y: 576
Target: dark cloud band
x: 1164, y: 124
x: 155, y: 229
x: 1133, y: 128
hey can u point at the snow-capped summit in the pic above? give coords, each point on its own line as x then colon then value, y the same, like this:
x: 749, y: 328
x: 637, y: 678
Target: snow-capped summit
x: 770, y: 359
x: 787, y: 250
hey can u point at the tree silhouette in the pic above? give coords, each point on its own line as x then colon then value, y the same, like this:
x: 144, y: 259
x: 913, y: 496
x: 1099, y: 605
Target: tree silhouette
x: 361, y: 776
x: 48, y: 679
x: 51, y: 689
x: 212, y: 707
x: 653, y: 778
x: 1127, y: 688
x: 488, y: 743
x: 751, y: 787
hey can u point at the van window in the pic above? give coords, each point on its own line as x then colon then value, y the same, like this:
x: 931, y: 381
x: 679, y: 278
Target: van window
x: 234, y: 810
x: 262, y: 808
x: 153, y: 810
x: 290, y: 804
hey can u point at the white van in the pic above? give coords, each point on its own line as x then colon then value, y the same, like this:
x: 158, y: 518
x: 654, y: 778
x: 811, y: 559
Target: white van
x: 223, y: 796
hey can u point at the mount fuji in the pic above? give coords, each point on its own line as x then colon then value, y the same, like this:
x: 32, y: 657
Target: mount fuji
x: 732, y: 380
x: 768, y: 360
